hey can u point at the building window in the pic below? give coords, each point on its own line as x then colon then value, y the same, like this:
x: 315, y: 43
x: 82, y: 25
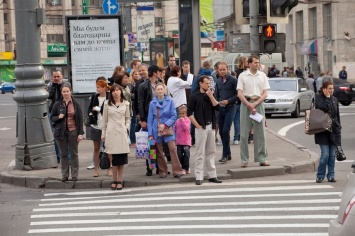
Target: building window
x: 328, y: 20
x: 158, y: 21
x: 300, y: 32
x: 95, y: 3
x: 6, y: 36
x: 55, y: 38
x: 313, y: 23
x: 157, y: 4
x: 73, y: 2
x: 54, y: 2
x: 54, y: 20
x: 5, y: 18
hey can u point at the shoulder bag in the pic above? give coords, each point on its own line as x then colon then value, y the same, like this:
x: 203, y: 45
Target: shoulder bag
x: 168, y: 131
x: 317, y: 121
x: 104, y: 161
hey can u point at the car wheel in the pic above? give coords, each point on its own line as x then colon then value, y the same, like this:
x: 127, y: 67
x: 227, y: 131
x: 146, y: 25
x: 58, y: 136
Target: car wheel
x: 296, y: 112
x: 13, y: 91
x: 345, y: 103
x: 2, y: 91
x: 268, y: 115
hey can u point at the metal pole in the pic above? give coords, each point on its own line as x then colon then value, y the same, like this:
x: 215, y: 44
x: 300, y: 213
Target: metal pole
x: 35, y: 146
x: 128, y: 23
x: 254, y: 27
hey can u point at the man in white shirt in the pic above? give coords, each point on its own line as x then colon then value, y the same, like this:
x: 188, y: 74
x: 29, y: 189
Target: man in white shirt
x: 252, y: 90
x: 176, y: 86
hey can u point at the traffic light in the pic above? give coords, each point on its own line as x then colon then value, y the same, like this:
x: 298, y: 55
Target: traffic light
x: 271, y: 41
x: 242, y: 11
x: 268, y: 38
x: 277, y: 10
x: 282, y: 7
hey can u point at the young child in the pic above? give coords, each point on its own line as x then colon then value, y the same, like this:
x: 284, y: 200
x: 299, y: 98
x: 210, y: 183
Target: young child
x: 183, y: 139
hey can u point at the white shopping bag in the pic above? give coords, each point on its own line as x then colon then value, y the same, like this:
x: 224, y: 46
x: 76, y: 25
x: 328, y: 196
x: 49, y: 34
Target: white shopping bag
x: 142, y: 145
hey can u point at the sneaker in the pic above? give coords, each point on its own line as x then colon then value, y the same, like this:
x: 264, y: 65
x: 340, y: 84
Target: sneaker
x: 219, y: 143
x: 319, y: 180
x: 235, y: 142
x: 90, y: 167
x: 223, y: 160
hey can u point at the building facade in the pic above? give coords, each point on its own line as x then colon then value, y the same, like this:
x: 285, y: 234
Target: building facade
x: 320, y: 36
x: 53, y: 32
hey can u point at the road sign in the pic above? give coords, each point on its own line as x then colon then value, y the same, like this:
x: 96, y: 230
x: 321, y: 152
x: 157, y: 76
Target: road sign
x: 110, y: 7
x: 239, y: 43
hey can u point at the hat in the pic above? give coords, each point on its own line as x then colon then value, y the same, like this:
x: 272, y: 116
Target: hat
x: 153, y: 69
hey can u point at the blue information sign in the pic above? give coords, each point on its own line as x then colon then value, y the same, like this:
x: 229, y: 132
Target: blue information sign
x: 110, y: 6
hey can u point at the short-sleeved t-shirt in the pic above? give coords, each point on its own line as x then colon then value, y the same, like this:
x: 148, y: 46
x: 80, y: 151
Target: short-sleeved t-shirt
x: 253, y: 85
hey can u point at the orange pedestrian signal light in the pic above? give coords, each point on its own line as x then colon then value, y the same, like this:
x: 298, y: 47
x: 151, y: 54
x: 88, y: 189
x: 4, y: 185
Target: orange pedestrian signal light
x: 269, y: 31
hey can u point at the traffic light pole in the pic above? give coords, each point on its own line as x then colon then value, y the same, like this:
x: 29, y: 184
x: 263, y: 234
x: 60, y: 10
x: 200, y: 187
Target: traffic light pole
x: 254, y: 27
x: 35, y: 146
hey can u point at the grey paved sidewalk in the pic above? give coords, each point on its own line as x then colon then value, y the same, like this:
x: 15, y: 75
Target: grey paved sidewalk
x: 285, y: 156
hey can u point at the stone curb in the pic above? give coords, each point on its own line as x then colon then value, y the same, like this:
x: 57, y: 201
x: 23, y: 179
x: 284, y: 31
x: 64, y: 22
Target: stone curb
x: 250, y: 172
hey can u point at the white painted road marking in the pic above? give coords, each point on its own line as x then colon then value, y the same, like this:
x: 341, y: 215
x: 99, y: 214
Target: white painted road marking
x: 283, y: 131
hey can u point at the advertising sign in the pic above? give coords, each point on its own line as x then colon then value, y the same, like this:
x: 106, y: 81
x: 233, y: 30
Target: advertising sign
x: 95, y: 50
x: 145, y: 6
x: 145, y: 28
x: 6, y: 55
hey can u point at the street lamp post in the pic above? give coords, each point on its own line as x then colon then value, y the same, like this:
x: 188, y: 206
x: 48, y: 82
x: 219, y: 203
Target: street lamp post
x: 35, y: 147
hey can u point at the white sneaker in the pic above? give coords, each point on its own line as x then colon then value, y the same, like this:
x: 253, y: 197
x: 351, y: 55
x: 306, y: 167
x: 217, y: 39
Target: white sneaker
x: 91, y: 167
x: 219, y: 143
x: 235, y: 142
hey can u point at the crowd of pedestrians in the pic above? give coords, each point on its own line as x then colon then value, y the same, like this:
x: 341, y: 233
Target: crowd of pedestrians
x: 176, y: 108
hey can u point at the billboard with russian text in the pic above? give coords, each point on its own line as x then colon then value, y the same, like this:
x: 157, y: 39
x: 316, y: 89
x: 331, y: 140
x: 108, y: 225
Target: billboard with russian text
x: 95, y: 46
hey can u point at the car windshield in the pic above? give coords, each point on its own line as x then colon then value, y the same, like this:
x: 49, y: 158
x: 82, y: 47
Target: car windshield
x: 283, y: 85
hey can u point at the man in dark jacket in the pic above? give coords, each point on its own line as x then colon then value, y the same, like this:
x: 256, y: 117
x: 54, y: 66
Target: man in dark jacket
x: 55, y: 95
x: 201, y: 111
x: 343, y: 74
x: 171, y: 64
x: 143, y: 72
x: 226, y: 95
x: 54, y: 90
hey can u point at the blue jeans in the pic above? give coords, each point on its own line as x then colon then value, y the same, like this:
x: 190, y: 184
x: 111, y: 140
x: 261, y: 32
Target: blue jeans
x: 184, y: 156
x: 327, y: 157
x: 236, y: 122
x: 225, y: 118
x: 132, y: 130
x: 57, y: 151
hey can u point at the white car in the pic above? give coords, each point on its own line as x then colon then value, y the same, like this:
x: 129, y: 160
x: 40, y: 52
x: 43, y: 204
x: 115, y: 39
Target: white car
x: 288, y: 96
x: 344, y: 225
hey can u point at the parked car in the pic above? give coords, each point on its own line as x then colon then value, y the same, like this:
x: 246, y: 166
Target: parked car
x: 344, y: 91
x: 288, y: 95
x: 344, y: 225
x: 7, y: 87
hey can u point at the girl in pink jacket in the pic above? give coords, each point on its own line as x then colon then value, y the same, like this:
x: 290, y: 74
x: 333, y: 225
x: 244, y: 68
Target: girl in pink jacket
x: 183, y: 139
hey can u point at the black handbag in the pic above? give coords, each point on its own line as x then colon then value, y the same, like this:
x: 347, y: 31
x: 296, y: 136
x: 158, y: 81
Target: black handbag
x: 104, y: 161
x: 339, y: 154
x: 317, y: 121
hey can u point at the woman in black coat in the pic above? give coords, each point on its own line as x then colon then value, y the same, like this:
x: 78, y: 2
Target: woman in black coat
x: 328, y: 141
x: 68, y: 131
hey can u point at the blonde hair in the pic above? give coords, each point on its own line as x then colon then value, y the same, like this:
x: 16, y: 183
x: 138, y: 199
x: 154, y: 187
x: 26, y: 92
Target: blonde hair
x: 241, y: 62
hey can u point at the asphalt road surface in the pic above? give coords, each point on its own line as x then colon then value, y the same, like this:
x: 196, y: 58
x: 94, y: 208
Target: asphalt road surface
x: 260, y: 206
